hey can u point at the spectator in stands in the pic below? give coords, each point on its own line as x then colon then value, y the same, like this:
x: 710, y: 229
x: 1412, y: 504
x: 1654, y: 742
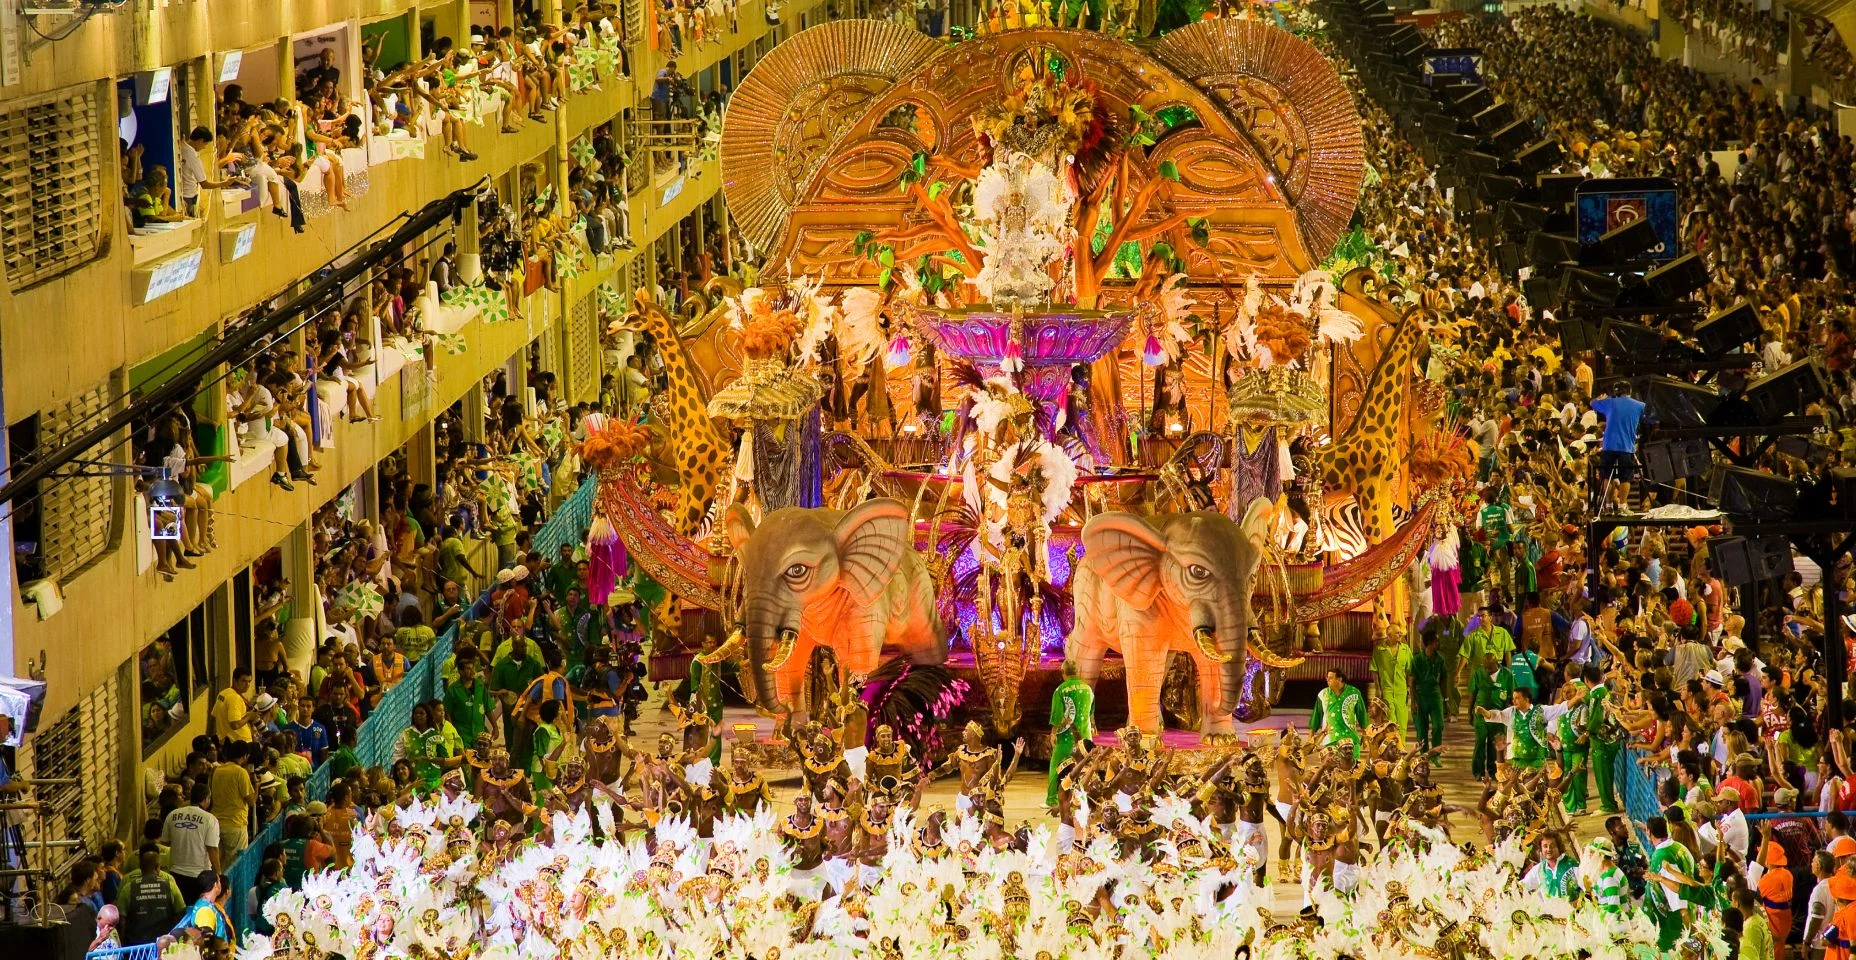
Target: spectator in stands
x: 232, y: 721
x: 192, y: 171
x: 233, y: 794
x: 192, y: 837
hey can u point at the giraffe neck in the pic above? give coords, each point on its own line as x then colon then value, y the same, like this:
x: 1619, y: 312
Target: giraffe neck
x: 1385, y: 390
x: 682, y: 381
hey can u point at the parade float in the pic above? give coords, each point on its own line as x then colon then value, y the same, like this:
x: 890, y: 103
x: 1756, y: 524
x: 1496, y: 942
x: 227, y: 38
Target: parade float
x: 1049, y: 311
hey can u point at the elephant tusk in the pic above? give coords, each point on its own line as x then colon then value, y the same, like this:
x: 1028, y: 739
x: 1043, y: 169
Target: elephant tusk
x: 789, y: 638
x: 727, y: 651
x: 1208, y: 645
x: 1268, y: 658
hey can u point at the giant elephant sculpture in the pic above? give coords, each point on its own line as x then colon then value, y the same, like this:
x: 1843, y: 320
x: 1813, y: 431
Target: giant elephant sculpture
x: 1175, y: 582
x: 850, y: 580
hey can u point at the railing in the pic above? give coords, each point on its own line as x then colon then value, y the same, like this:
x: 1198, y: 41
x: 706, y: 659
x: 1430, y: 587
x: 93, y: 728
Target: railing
x: 141, y: 951
x: 375, y: 739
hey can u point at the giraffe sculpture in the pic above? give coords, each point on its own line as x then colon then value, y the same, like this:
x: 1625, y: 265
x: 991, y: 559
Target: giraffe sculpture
x: 699, y: 451
x: 1367, y: 459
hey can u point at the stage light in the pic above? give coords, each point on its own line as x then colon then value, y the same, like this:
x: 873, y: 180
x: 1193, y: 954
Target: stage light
x: 1678, y: 278
x: 1728, y: 330
x: 1787, y: 391
x: 1752, y: 494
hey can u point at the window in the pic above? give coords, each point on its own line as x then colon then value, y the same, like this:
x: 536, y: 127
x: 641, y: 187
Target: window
x: 51, y: 199
x: 69, y: 521
x: 174, y: 670
x: 163, y: 672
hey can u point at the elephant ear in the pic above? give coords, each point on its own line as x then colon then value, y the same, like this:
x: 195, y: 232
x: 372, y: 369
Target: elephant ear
x: 1125, y: 551
x: 872, y: 537
x: 739, y: 524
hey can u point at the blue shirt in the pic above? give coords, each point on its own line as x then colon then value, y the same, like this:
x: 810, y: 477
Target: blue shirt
x: 312, y: 739
x: 1622, y: 414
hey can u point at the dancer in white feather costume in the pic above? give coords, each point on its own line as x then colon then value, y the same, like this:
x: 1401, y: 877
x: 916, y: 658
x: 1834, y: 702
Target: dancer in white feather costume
x: 430, y: 889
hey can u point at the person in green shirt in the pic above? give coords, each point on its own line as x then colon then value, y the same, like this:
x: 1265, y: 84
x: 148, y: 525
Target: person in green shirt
x: 1604, y: 736
x: 414, y: 637
x: 423, y: 744
x: 453, y: 563
x: 547, y: 743
x: 1756, y: 941
x: 1340, y: 714
x: 1528, y: 727
x: 467, y: 700
x: 1428, y: 673
x: 1671, y: 870
x: 1488, y: 690
x: 510, y: 678
x: 561, y: 574
x: 1610, y: 888
x: 1072, y: 721
x: 706, y: 693
x: 344, y: 761
x: 1488, y: 637
x: 1391, y: 663
x: 1575, y: 746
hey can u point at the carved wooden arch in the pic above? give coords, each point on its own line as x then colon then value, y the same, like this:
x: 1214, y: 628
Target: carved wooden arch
x: 1256, y: 193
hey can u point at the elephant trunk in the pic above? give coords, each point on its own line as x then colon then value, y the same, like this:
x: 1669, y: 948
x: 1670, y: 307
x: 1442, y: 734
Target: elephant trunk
x: 770, y: 643
x: 1218, y: 629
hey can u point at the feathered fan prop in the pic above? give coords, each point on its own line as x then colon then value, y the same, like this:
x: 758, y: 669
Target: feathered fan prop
x: 914, y: 700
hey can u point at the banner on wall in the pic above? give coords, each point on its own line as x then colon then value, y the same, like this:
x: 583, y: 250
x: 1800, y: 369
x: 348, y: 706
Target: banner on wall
x: 1604, y: 205
x: 1465, y: 62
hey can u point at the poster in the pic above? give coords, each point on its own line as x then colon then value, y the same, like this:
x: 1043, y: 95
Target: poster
x: 1603, y: 205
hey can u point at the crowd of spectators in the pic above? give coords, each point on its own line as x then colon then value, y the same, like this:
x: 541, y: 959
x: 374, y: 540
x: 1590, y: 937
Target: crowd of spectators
x: 1753, y: 34
x: 1822, y: 46
x: 385, y: 590
x: 1720, y: 688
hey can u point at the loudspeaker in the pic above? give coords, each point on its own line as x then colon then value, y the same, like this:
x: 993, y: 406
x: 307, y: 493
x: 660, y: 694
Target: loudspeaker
x: 1540, y: 157
x: 1787, y: 391
x: 1576, y: 336
x: 1509, y: 258
x: 1494, y: 188
x: 1626, y: 242
x: 1512, y: 138
x: 1474, y: 100
x: 1631, y: 342
x: 1520, y: 217
x: 1734, y: 560
x: 1774, y: 555
x: 1670, y: 460
x: 1677, y: 403
x: 1498, y: 116
x: 1559, y: 189
x: 1729, y: 329
x: 1752, y: 494
x: 1678, y: 278
x: 1588, y: 286
x: 1552, y: 248
x: 1472, y: 162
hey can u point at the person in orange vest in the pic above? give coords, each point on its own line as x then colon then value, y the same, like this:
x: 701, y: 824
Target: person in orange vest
x: 1775, y: 893
x: 551, y: 685
x: 1840, y: 936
